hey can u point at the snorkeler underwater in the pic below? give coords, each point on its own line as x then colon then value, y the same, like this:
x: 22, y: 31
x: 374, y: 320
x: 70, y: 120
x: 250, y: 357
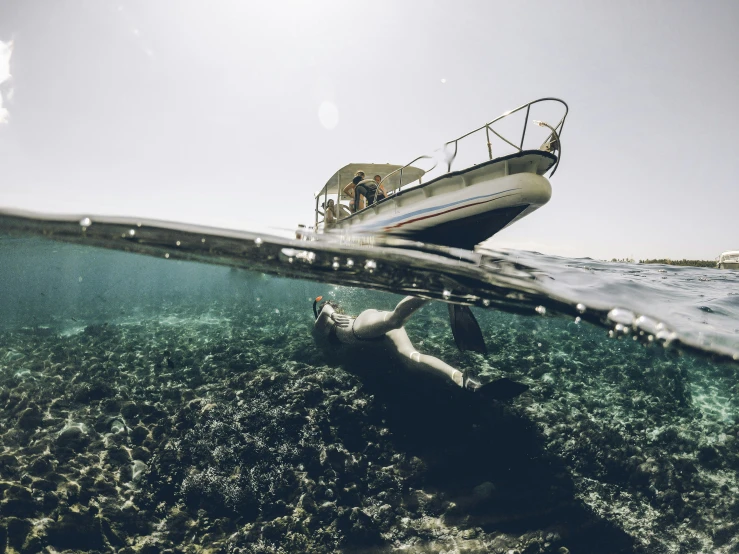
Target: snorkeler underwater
x: 368, y: 277
x: 158, y: 403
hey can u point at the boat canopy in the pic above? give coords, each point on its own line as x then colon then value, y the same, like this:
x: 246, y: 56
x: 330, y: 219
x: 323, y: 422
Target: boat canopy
x: 730, y: 256
x: 344, y: 176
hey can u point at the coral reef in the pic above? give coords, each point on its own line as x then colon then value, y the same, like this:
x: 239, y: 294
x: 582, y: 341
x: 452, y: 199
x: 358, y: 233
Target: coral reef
x: 234, y: 433
x: 231, y: 431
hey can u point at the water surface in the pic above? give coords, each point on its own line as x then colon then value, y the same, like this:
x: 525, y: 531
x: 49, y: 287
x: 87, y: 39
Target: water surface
x: 172, y: 397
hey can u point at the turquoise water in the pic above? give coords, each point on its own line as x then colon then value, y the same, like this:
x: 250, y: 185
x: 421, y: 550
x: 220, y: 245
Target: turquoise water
x: 158, y: 404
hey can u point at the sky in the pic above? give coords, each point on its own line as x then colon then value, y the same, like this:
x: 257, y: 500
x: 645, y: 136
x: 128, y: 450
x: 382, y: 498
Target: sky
x: 233, y: 113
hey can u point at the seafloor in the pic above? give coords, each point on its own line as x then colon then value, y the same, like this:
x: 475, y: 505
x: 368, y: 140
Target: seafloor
x: 228, y: 430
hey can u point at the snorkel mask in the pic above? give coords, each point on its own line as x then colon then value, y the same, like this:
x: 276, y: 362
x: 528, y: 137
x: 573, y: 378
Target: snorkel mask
x: 315, y: 303
x: 317, y: 308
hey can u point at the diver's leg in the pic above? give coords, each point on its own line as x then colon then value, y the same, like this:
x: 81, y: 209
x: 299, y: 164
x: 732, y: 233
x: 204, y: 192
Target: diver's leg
x: 375, y: 323
x: 499, y: 389
x: 413, y: 359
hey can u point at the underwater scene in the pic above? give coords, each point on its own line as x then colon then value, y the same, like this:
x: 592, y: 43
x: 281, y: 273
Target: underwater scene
x: 172, y: 398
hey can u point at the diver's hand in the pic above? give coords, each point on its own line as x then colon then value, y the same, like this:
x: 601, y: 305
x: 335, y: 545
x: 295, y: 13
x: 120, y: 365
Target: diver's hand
x: 341, y: 320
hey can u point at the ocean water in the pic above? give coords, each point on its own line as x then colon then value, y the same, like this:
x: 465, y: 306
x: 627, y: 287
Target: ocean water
x: 160, y: 391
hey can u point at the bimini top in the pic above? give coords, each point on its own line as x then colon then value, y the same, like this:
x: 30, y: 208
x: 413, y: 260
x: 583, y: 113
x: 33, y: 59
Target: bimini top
x: 344, y: 176
x: 730, y: 256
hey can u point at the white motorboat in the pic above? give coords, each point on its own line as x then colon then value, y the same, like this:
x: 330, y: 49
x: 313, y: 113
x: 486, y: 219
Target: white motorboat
x: 729, y: 260
x: 430, y: 201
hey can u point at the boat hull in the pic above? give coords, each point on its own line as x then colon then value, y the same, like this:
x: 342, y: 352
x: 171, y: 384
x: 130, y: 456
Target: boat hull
x: 460, y: 209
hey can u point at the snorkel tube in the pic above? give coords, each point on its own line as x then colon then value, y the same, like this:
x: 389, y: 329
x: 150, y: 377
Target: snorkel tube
x: 315, y: 302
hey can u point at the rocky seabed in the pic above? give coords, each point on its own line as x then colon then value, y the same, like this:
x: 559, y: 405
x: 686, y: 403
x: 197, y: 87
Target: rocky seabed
x: 236, y: 434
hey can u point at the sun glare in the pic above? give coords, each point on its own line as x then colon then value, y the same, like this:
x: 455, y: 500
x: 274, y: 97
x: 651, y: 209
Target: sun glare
x: 328, y: 115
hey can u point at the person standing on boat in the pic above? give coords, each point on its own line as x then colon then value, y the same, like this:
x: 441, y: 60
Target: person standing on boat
x: 385, y: 329
x: 380, y: 191
x: 369, y: 189
x: 351, y: 191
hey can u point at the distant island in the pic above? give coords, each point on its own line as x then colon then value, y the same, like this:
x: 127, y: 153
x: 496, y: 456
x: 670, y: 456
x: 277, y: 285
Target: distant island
x: 667, y: 261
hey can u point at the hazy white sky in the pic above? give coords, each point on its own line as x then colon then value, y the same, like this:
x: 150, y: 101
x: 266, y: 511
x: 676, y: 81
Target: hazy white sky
x: 232, y: 113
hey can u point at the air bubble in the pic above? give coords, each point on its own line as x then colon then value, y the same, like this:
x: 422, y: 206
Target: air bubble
x: 166, y: 255
x: 486, y: 302
x: 349, y: 262
x: 370, y: 265
x: 620, y: 315
x: 202, y: 240
x: 648, y: 324
x: 258, y: 241
x: 288, y: 253
x: 580, y: 308
x: 178, y: 243
x: 131, y: 233
x: 541, y: 310
x: 335, y: 265
x: 447, y: 294
x: 85, y: 222
x: 308, y: 257
x: 578, y: 319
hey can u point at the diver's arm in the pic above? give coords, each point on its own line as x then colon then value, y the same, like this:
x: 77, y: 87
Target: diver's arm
x: 375, y: 323
x: 404, y: 310
x: 324, y: 323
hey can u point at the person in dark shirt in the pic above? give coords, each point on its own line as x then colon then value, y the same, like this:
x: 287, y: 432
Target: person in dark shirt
x: 351, y: 190
x: 381, y: 193
x: 370, y: 189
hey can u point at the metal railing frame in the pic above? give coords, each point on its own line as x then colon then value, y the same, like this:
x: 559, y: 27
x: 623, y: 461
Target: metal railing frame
x: 556, y: 132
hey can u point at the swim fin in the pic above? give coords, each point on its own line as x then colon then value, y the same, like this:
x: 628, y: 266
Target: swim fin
x: 500, y: 389
x: 466, y: 330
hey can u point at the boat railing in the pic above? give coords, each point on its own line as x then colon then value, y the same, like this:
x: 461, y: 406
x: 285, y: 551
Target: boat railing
x: 450, y: 150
